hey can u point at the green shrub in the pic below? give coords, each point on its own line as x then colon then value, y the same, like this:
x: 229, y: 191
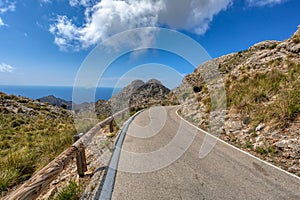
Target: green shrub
x: 70, y: 192
x: 271, y: 150
x: 261, y: 150
x: 249, y: 145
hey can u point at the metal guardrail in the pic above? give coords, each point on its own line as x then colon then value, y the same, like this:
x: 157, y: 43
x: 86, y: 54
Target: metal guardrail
x: 108, y: 185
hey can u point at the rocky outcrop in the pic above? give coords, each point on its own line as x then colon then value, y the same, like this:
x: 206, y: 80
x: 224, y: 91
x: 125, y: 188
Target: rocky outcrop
x: 152, y: 92
x: 120, y: 101
x: 261, y: 102
x: 139, y: 94
x: 25, y: 107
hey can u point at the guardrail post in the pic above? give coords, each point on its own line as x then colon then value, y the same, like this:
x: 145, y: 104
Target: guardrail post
x: 80, y: 158
x: 111, y: 127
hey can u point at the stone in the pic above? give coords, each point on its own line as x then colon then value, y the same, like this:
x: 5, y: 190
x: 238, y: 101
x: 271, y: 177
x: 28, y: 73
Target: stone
x: 280, y: 145
x: 260, y: 127
x: 259, y: 144
x: 295, y: 168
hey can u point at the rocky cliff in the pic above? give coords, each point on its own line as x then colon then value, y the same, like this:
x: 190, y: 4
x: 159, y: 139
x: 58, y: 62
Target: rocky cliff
x: 139, y: 93
x: 121, y: 100
x: 261, y: 104
x: 152, y: 92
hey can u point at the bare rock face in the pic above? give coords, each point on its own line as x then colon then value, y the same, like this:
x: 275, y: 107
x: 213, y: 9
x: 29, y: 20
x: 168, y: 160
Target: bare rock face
x: 138, y: 94
x: 154, y: 81
x: 120, y: 101
x: 152, y: 92
x: 262, y: 86
x: 269, y: 44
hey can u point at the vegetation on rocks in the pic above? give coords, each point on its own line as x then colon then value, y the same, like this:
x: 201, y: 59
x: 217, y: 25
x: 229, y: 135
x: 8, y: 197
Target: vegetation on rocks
x: 69, y: 192
x: 262, y: 87
x: 271, y: 97
x: 31, y: 135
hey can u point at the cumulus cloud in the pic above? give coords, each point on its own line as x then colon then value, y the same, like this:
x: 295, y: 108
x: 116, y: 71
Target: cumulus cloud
x: 6, y: 68
x: 109, y: 17
x: 264, y: 2
x: 191, y: 15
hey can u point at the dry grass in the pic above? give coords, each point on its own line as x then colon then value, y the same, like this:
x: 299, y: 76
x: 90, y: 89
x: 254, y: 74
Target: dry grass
x: 29, y: 141
x: 271, y: 97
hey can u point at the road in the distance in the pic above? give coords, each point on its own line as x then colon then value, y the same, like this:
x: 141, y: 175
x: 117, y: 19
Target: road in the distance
x: 225, y: 173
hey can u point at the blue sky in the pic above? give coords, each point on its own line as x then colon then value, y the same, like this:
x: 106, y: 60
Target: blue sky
x: 44, y: 42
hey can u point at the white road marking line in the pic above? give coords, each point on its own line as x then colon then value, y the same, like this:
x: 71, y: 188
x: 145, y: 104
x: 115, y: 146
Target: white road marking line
x: 295, y: 176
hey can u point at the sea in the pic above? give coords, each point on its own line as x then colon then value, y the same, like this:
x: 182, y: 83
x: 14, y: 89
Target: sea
x: 63, y: 92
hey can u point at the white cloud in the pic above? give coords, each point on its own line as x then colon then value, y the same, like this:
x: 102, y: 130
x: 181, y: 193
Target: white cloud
x: 109, y: 17
x: 46, y: 1
x: 191, y: 15
x: 84, y: 3
x: 1, y: 22
x: 264, y: 2
x: 6, y: 6
x: 6, y: 68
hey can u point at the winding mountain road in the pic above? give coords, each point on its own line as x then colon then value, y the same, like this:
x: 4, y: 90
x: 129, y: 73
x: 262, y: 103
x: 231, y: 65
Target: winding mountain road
x: 160, y: 160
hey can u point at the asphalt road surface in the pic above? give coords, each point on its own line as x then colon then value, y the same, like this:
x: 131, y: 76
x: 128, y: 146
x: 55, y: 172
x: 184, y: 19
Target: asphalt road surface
x: 160, y: 160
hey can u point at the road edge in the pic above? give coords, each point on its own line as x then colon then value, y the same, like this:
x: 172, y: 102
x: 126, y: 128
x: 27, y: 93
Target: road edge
x: 220, y: 140
x: 105, y: 192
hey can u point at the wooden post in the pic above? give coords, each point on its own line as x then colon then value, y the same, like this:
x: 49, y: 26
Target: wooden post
x: 111, y: 127
x: 77, y: 137
x: 84, y: 159
x: 81, y: 162
x: 80, y: 157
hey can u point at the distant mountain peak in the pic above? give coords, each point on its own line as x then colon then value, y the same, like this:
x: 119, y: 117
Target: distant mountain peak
x: 138, y: 93
x: 137, y: 82
x: 154, y: 81
x: 55, y: 101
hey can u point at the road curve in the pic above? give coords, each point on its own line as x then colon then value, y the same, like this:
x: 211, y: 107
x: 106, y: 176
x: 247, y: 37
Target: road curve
x: 149, y: 169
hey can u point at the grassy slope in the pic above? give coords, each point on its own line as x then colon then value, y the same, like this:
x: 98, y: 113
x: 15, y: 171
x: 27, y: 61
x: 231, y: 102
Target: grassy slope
x: 271, y: 98
x: 30, y: 138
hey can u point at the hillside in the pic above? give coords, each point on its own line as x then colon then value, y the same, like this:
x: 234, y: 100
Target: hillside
x: 121, y: 100
x: 262, y: 100
x: 152, y: 92
x: 31, y: 135
x: 139, y: 93
x: 56, y: 102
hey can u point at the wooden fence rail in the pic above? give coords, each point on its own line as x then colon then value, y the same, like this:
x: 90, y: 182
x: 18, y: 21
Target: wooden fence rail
x: 32, y: 188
